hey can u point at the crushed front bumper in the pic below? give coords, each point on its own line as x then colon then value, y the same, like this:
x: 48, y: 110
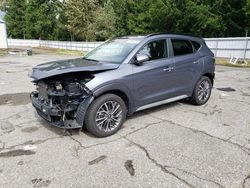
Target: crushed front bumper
x: 54, y: 115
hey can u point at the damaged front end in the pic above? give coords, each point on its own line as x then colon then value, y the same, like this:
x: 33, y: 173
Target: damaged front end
x: 63, y: 100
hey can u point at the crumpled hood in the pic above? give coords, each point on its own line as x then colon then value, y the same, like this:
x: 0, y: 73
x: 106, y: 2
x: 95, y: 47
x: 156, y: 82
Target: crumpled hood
x: 54, y: 68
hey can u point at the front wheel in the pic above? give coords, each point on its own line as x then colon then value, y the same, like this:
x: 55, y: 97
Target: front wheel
x: 202, y: 91
x: 105, y: 115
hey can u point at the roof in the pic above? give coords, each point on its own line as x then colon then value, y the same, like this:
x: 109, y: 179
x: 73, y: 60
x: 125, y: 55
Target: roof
x: 156, y: 35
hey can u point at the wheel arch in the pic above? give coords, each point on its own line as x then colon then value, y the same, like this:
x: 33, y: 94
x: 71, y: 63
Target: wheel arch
x: 120, y: 91
x: 210, y: 76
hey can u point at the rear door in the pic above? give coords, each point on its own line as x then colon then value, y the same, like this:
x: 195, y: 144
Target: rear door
x: 188, y: 65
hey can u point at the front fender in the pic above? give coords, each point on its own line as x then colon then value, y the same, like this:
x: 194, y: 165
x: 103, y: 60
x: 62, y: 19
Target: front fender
x: 117, y: 87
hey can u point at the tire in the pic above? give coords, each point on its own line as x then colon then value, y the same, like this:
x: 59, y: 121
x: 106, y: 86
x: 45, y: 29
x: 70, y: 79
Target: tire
x: 105, y: 115
x: 202, y: 91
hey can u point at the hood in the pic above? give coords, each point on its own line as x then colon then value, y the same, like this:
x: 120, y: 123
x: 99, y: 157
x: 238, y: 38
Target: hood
x: 67, y: 66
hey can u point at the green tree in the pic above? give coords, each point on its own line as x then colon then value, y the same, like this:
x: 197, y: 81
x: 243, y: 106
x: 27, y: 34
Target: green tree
x: 247, y: 14
x: 165, y: 15
x: 173, y: 16
x: 80, y: 16
x: 210, y: 18
x: 60, y: 31
x: 233, y: 14
x: 15, y: 18
x: 3, y: 4
x: 101, y: 19
x: 152, y: 16
x: 41, y: 18
x: 104, y: 21
x: 139, y: 20
x: 198, y: 19
x: 121, y: 9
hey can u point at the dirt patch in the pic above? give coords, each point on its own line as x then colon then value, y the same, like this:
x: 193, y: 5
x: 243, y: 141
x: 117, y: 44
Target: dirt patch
x: 97, y: 160
x: 39, y: 182
x: 220, y: 71
x: 226, y: 89
x: 130, y: 167
x: 20, y: 163
x: 30, y: 129
x: 15, y: 99
x: 11, y: 72
x: 9, y: 62
x: 6, y: 127
x: 15, y: 153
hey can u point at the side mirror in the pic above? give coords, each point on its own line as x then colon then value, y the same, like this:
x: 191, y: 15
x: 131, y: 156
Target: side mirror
x: 141, y: 58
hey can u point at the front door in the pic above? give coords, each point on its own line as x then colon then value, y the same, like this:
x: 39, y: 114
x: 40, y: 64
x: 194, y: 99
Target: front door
x: 153, y: 79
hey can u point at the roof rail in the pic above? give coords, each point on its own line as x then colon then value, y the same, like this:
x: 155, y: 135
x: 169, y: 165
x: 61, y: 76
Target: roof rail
x: 128, y: 36
x: 168, y: 33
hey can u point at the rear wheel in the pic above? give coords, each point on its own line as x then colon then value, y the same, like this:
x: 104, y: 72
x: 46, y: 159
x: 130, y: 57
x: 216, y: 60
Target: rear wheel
x: 105, y: 115
x: 202, y: 91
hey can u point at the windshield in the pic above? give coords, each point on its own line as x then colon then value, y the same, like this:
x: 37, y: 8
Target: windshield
x: 114, y: 51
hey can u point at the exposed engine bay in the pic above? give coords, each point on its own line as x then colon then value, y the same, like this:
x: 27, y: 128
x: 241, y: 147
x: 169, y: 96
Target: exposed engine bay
x: 62, y: 97
x: 57, y: 98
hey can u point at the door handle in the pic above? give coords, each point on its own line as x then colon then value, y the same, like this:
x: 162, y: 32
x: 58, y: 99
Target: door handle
x: 196, y: 62
x: 168, y: 69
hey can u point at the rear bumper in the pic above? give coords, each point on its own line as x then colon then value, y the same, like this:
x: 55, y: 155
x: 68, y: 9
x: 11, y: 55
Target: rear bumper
x: 53, y: 115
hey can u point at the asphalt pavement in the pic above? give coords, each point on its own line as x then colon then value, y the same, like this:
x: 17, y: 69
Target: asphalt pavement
x: 174, y: 145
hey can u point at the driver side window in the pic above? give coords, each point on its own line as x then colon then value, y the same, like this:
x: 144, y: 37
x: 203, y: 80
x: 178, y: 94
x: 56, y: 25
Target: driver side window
x: 155, y: 50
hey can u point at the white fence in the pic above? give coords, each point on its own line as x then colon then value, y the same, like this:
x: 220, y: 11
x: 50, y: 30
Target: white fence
x: 221, y: 47
x: 67, y: 45
x: 230, y: 47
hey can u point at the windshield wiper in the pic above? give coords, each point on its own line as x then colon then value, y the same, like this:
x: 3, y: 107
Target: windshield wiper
x: 90, y: 59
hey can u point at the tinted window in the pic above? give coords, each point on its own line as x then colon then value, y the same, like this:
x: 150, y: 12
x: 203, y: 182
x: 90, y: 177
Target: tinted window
x: 196, y: 45
x: 155, y: 50
x: 181, y: 47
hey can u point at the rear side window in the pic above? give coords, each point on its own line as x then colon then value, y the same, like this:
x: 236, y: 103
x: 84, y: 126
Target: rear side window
x: 196, y: 45
x: 155, y: 50
x: 181, y: 47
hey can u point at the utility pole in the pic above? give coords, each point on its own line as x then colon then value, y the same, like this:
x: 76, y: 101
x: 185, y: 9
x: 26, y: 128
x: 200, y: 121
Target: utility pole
x: 245, y: 51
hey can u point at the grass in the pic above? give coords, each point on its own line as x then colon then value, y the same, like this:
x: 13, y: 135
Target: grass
x: 69, y: 52
x: 4, y: 52
x: 41, y: 50
x: 225, y: 62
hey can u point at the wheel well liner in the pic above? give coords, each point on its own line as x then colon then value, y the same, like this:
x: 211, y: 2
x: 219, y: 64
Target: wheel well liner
x: 210, y: 76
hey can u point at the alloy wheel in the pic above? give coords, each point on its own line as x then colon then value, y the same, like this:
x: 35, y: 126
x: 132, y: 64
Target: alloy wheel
x: 204, y: 90
x: 109, y: 116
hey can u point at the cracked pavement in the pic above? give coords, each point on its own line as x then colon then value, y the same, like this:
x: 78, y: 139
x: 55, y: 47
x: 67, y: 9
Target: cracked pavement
x: 174, y: 145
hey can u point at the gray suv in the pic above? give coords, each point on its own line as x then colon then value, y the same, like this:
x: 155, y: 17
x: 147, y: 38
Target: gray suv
x: 120, y: 77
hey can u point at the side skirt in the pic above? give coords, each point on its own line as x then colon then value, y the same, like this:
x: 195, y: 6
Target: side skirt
x: 161, y: 102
